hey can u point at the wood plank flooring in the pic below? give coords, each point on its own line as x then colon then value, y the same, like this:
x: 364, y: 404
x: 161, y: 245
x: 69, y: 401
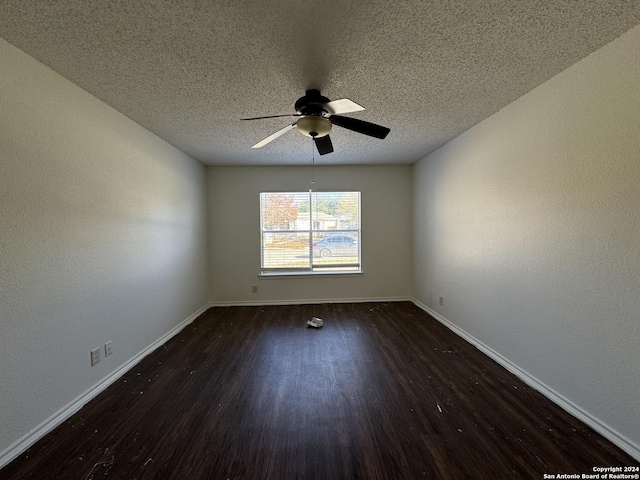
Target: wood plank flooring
x: 382, y: 391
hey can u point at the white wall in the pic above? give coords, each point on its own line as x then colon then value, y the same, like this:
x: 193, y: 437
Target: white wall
x: 529, y: 226
x: 234, y: 237
x: 102, y: 237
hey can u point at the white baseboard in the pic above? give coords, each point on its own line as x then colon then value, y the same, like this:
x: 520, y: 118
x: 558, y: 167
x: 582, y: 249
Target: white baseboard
x: 261, y: 303
x: 64, y: 413
x: 602, y: 428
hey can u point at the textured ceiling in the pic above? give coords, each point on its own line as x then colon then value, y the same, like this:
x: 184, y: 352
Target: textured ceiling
x: 429, y: 70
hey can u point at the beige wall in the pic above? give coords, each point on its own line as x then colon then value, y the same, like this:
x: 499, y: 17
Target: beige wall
x: 102, y: 238
x: 529, y: 226
x: 234, y: 222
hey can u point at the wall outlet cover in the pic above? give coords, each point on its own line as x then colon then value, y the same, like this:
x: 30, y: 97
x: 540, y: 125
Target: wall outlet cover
x: 95, y: 356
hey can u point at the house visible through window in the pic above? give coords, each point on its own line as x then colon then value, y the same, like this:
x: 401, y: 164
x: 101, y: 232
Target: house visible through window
x: 310, y: 232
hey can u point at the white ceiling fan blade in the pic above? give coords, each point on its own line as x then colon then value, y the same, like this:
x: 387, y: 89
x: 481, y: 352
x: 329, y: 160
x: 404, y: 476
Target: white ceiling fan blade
x: 338, y: 107
x: 274, y: 136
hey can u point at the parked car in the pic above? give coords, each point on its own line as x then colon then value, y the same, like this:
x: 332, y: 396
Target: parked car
x: 336, y: 246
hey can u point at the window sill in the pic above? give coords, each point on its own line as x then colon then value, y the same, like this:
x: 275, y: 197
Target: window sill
x: 271, y: 275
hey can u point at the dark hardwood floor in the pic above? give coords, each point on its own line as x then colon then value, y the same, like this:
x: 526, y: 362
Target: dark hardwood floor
x: 382, y: 391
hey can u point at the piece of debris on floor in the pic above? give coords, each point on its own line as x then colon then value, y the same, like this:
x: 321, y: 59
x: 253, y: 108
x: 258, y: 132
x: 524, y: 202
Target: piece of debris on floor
x: 315, y: 322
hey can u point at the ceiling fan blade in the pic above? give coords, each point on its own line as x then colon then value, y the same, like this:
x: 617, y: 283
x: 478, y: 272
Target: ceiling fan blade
x: 342, y: 106
x: 274, y: 136
x: 273, y: 116
x: 323, y: 144
x: 360, y: 126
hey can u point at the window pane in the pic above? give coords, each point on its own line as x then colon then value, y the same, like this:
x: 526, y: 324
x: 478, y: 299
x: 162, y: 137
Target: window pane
x: 285, y: 211
x: 336, y: 210
x: 339, y: 250
x: 285, y: 250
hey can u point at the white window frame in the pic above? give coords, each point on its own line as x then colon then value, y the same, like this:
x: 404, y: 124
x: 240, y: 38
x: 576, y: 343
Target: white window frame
x: 319, y: 269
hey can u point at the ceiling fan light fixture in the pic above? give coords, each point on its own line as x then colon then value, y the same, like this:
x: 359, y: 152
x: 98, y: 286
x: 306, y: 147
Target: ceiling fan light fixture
x: 314, y: 126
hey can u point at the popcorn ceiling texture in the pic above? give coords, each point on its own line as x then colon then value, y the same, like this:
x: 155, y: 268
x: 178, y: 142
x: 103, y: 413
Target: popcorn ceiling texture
x: 429, y: 70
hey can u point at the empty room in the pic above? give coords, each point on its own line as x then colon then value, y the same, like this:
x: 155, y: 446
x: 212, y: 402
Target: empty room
x: 331, y: 240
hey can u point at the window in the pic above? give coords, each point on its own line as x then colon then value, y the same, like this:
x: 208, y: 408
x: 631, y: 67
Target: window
x: 310, y: 232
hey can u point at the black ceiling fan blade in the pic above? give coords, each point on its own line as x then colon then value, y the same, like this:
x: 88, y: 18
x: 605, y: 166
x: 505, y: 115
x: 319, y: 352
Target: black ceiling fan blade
x: 360, y: 126
x: 273, y: 116
x: 323, y: 144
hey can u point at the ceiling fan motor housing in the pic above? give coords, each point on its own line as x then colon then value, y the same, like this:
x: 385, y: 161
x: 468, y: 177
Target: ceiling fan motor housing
x: 311, y: 103
x: 312, y: 124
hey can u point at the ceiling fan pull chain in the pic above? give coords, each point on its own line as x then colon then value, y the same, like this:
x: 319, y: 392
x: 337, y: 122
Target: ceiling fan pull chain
x: 313, y: 162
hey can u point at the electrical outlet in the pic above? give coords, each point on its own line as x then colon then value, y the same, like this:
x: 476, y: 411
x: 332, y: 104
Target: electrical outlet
x: 441, y: 300
x: 254, y: 289
x: 107, y: 348
x: 95, y: 357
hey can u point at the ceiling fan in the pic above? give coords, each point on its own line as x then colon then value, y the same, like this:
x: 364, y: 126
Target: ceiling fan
x: 317, y: 115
